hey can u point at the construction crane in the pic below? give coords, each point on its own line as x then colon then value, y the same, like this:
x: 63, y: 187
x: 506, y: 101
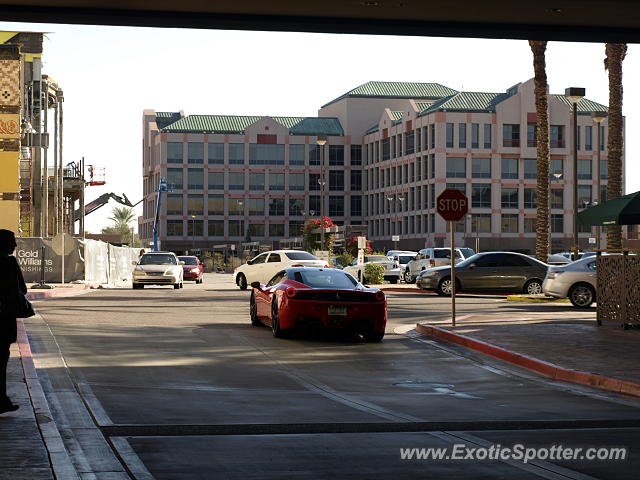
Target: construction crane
x: 101, y: 201
x: 162, y: 188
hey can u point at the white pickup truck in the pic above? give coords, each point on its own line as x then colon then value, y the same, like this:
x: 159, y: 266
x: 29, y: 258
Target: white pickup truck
x: 433, y: 257
x: 390, y: 268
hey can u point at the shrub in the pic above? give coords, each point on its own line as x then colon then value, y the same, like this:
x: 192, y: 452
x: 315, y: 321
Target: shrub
x: 344, y: 259
x: 374, y: 273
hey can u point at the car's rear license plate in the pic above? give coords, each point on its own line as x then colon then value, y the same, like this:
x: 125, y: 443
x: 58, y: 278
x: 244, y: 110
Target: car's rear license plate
x: 338, y: 311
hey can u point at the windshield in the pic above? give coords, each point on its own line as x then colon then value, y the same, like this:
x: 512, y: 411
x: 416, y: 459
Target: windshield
x: 467, y: 252
x: 158, y: 259
x: 189, y: 260
x: 300, y: 256
x: 468, y: 261
x: 326, y: 279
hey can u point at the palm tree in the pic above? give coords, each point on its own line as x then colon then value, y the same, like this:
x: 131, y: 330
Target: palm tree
x: 613, y: 63
x: 538, y: 48
x: 122, y: 215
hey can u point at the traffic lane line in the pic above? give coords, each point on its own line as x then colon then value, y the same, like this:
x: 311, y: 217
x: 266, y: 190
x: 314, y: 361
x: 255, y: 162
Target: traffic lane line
x: 540, y: 366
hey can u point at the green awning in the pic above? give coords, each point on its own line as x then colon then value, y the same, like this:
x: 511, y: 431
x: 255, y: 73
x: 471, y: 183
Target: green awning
x: 619, y: 211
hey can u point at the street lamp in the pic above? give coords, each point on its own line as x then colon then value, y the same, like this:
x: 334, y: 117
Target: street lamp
x: 321, y: 141
x: 598, y: 117
x: 574, y: 95
x: 193, y: 233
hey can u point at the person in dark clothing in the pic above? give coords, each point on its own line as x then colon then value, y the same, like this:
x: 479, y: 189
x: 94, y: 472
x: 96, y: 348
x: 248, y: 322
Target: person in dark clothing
x: 11, y: 286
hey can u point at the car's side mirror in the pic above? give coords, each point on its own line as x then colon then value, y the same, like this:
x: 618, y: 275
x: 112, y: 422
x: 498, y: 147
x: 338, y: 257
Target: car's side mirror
x: 256, y: 285
x: 181, y: 263
x: 134, y: 263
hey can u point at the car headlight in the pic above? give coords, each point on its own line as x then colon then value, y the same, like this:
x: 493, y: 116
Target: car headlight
x: 138, y: 269
x: 194, y: 269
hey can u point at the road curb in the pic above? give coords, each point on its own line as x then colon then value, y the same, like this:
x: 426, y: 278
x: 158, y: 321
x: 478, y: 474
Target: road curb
x: 531, y: 298
x: 539, y: 366
x: 59, y: 292
x: 58, y: 455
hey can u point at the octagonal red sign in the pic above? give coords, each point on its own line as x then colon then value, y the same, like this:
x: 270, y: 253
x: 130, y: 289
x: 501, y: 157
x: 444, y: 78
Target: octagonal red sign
x: 452, y: 204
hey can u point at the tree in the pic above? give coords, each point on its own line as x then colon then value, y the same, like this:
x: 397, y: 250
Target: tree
x: 121, y: 218
x: 122, y: 215
x: 312, y: 240
x: 538, y: 48
x: 351, y: 246
x: 615, y: 54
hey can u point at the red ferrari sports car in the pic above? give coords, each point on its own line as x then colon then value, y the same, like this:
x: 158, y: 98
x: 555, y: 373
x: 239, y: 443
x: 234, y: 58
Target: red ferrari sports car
x: 329, y: 297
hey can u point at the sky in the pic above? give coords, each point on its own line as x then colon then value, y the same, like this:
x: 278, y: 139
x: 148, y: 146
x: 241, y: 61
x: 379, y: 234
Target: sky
x: 111, y: 74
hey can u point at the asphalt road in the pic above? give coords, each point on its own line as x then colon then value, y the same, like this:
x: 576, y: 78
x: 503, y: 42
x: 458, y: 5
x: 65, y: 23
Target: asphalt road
x: 179, y: 385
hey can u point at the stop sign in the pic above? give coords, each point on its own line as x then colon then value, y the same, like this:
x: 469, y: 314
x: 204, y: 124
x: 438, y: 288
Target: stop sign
x: 452, y: 205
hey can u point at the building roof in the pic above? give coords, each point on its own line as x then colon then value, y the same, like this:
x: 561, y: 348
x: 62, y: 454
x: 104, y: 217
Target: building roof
x: 164, y: 119
x: 397, y: 90
x: 237, y: 124
x: 467, y: 102
x: 584, y: 106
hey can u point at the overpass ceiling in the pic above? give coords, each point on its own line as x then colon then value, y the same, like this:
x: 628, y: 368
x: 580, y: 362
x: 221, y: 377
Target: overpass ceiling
x: 578, y: 20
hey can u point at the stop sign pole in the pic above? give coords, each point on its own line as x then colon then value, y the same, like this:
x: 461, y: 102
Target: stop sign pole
x: 452, y: 205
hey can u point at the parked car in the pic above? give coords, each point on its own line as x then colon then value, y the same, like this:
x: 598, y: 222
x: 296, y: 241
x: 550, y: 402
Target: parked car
x: 193, y: 269
x: 556, y: 259
x: 576, y: 281
x: 323, y: 296
x: 401, y: 259
x: 391, y: 273
x: 433, y: 257
x: 488, y: 271
x: 158, y: 268
x: 264, y: 266
x: 393, y: 253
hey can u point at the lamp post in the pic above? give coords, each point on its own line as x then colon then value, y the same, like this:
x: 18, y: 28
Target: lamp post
x: 598, y: 117
x: 574, y: 95
x: 193, y: 233
x: 321, y: 141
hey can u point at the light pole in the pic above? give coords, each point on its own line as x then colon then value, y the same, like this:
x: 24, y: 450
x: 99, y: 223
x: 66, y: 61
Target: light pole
x: 321, y: 141
x: 574, y: 95
x: 598, y: 117
x: 193, y: 233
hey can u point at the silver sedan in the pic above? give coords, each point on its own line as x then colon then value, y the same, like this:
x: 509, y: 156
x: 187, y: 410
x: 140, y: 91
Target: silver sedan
x: 576, y: 281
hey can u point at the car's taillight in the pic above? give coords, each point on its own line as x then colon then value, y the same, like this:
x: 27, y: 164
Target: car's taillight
x: 380, y: 295
x: 290, y: 292
x: 432, y: 262
x: 327, y: 266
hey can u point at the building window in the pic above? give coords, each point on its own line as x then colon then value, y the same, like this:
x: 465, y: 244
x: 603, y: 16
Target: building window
x: 236, y: 228
x: 510, y: 135
x: 418, y: 136
x: 458, y: 186
x: 462, y: 135
x: 530, y: 225
x: 196, y: 152
x: 530, y: 168
x: 336, y: 206
x: 456, y: 167
x: 588, y: 138
x: 296, y: 181
x: 174, y: 204
x: 433, y: 135
x: 481, y: 223
x: 602, y: 137
x: 314, y: 205
x: 509, y: 223
x: 236, y: 206
x: 336, y: 180
x: 336, y: 154
x: 174, y: 178
x: 530, y: 198
x: 295, y: 228
x: 296, y: 154
x: 604, y: 169
x: 409, y: 139
x: 603, y: 193
x: 356, y: 180
x: 276, y: 229
x: 256, y: 181
x: 215, y: 228
x: 584, y: 196
x: 215, y: 181
x: 509, y: 167
x: 276, y: 206
x: 236, y: 153
x: 557, y: 136
x: 256, y: 206
x: 356, y: 154
x: 487, y: 135
x: 256, y: 229
x: 509, y: 198
x: 532, y: 135
x: 314, y: 181
x: 215, y: 153
x: 174, y: 152
x: 314, y: 154
x: 584, y: 169
x: 215, y: 204
x: 276, y: 181
x: 475, y: 135
x: 195, y: 228
x: 449, y: 135
x: 557, y: 168
x: 356, y: 206
x: 557, y: 198
x: 386, y: 149
x: 481, y: 167
x: 236, y: 180
x: 481, y: 195
x: 296, y: 207
x: 557, y: 223
x: 174, y: 228
x: 266, y: 154
x: 195, y: 178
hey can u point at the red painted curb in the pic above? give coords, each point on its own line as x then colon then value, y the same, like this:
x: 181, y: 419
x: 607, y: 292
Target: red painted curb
x: 539, y: 366
x: 57, y: 292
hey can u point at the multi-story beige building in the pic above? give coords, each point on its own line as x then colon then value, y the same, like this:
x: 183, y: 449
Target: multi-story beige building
x: 391, y: 149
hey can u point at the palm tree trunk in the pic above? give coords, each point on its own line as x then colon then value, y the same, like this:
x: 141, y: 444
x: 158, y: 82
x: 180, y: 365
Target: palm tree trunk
x: 538, y: 48
x: 613, y: 63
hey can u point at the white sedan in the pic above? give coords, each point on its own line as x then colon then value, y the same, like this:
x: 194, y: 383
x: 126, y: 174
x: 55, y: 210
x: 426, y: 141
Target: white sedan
x: 263, y: 267
x: 158, y: 268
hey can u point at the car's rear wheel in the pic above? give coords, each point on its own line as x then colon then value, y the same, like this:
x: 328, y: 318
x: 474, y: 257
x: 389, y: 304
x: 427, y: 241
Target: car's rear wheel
x: 253, y: 310
x: 408, y: 278
x: 582, y: 295
x: 533, y: 287
x: 373, y: 336
x: 444, y: 287
x: 275, y: 320
x: 241, y: 281
x: 176, y: 286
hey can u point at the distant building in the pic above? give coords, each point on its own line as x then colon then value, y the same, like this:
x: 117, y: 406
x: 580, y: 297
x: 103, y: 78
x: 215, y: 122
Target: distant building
x: 391, y: 149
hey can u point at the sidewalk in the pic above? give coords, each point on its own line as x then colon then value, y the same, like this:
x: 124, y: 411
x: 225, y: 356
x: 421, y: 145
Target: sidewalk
x: 564, y: 343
